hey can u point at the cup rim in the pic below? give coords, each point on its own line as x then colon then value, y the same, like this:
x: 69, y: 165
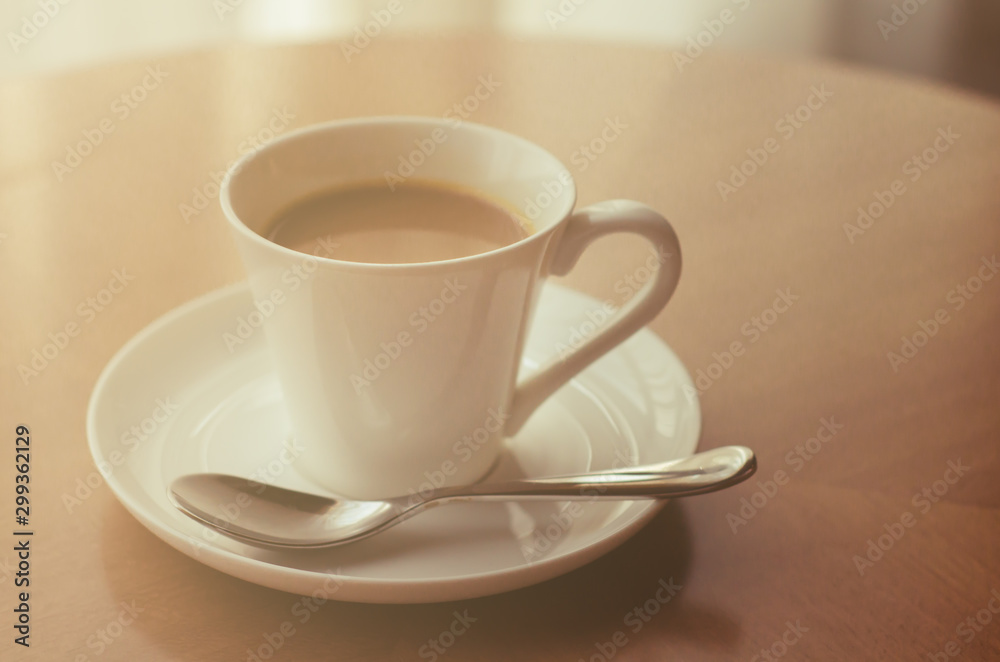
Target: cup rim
x: 432, y: 122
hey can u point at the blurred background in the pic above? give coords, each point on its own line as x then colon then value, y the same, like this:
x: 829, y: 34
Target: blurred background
x: 954, y: 41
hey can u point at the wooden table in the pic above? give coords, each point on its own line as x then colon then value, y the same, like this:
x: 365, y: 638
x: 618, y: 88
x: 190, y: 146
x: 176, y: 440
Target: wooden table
x: 833, y: 551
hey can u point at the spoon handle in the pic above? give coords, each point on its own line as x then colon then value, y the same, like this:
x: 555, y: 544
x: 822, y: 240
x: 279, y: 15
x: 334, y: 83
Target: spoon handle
x: 700, y: 473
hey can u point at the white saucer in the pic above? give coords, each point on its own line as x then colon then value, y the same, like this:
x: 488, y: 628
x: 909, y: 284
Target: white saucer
x: 228, y: 417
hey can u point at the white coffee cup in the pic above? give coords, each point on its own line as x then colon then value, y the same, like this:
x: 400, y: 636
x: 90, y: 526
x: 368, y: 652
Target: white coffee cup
x: 381, y: 395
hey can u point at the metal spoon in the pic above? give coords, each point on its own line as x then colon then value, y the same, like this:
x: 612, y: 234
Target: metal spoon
x: 271, y: 516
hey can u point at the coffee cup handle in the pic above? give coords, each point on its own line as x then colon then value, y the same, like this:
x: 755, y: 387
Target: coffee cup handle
x: 582, y: 228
